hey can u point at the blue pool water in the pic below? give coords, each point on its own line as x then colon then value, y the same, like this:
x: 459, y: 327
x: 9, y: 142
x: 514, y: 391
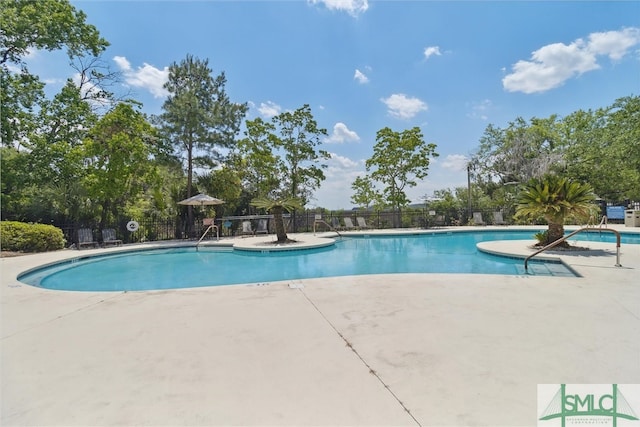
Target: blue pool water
x: 185, y: 267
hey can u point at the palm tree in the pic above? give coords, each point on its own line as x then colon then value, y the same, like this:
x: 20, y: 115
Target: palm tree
x: 555, y: 199
x: 277, y: 207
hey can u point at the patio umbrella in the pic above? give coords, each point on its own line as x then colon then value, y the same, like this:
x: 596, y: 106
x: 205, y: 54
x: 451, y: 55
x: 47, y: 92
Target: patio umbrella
x: 201, y: 200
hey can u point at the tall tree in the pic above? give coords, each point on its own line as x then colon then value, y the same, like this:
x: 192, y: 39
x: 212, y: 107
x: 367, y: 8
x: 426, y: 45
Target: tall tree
x: 48, y: 25
x: 518, y: 153
x: 285, y: 158
x: 365, y: 193
x: 20, y: 95
x: 63, y: 124
x: 31, y: 25
x: 118, y: 152
x: 399, y: 160
x: 223, y: 183
x: 602, y: 147
x: 198, y: 118
x: 299, y: 139
x: 256, y: 160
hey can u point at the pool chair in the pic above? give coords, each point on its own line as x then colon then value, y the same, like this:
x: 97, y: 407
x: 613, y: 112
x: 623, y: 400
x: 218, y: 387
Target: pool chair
x: 109, y: 237
x: 438, y: 221
x: 263, y: 227
x: 348, y: 223
x: 247, y: 228
x: 362, y: 224
x: 498, y: 219
x: 477, y: 219
x: 335, y: 223
x: 85, y: 238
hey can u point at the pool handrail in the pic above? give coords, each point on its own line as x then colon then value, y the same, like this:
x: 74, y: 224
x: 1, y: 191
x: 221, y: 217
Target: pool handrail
x: 211, y: 223
x: 557, y: 242
x: 318, y: 220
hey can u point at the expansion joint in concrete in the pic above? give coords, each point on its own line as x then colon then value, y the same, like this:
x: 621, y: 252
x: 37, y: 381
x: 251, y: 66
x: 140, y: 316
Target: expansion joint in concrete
x: 359, y: 356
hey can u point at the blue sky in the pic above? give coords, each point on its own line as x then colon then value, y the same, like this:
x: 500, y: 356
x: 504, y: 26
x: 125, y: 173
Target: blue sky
x: 451, y: 68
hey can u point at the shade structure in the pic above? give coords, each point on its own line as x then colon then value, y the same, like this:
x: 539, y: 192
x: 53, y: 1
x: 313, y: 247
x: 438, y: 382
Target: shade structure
x: 201, y: 200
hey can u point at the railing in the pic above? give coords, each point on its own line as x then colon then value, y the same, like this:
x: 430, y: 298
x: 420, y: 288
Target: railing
x: 211, y: 225
x: 322, y: 221
x: 557, y: 242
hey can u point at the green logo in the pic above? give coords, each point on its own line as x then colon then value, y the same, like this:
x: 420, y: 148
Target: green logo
x: 585, y: 405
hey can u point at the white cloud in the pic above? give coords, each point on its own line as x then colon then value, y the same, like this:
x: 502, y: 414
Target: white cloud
x: 341, y: 133
x: 147, y: 77
x: 431, y: 50
x: 479, y: 110
x: 614, y: 44
x: 455, y: 162
x: 352, y: 7
x: 269, y: 109
x: 339, y: 162
x: 122, y: 62
x: 403, y: 107
x: 361, y: 77
x: 553, y: 64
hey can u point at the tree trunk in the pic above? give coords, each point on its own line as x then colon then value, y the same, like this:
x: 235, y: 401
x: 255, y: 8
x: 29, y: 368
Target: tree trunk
x: 279, y: 222
x: 556, y: 232
x: 190, y: 224
x: 104, y: 214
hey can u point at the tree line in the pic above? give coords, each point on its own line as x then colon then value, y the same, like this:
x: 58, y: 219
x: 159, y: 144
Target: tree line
x: 90, y: 155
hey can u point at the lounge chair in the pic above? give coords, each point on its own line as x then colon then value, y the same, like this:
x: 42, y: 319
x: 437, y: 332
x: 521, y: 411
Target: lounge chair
x: 477, y: 219
x: 109, y: 237
x: 438, y: 221
x: 498, y: 219
x: 362, y: 223
x: 247, y: 228
x: 348, y: 223
x: 263, y: 227
x: 335, y: 223
x: 85, y: 238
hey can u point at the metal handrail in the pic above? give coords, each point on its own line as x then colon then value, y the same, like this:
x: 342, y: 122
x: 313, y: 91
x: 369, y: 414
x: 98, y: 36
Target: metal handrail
x: 321, y: 221
x: 557, y: 242
x: 205, y: 233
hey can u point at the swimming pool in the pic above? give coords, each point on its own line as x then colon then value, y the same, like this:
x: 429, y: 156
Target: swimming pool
x: 450, y: 252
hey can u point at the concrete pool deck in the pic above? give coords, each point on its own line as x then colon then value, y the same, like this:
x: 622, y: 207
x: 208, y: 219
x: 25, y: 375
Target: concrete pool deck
x: 409, y: 349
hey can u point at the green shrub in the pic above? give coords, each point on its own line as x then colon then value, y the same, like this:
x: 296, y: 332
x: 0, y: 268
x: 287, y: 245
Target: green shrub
x: 542, y: 237
x: 23, y: 237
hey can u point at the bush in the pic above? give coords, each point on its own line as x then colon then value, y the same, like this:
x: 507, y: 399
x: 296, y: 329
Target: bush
x: 542, y: 237
x: 23, y: 237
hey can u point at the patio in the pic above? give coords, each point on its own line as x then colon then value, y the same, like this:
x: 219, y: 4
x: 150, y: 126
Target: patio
x: 414, y: 349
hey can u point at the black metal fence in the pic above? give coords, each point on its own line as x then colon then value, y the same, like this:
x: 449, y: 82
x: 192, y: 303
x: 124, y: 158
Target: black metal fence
x: 149, y: 229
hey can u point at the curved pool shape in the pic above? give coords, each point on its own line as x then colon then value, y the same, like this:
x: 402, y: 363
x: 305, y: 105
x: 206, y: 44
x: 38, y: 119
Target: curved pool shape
x: 450, y: 252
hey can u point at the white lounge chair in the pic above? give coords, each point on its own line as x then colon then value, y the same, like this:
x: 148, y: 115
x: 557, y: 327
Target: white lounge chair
x: 335, y: 223
x: 477, y: 219
x: 263, y: 227
x: 348, y: 223
x: 247, y: 228
x: 498, y: 219
x: 362, y: 223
